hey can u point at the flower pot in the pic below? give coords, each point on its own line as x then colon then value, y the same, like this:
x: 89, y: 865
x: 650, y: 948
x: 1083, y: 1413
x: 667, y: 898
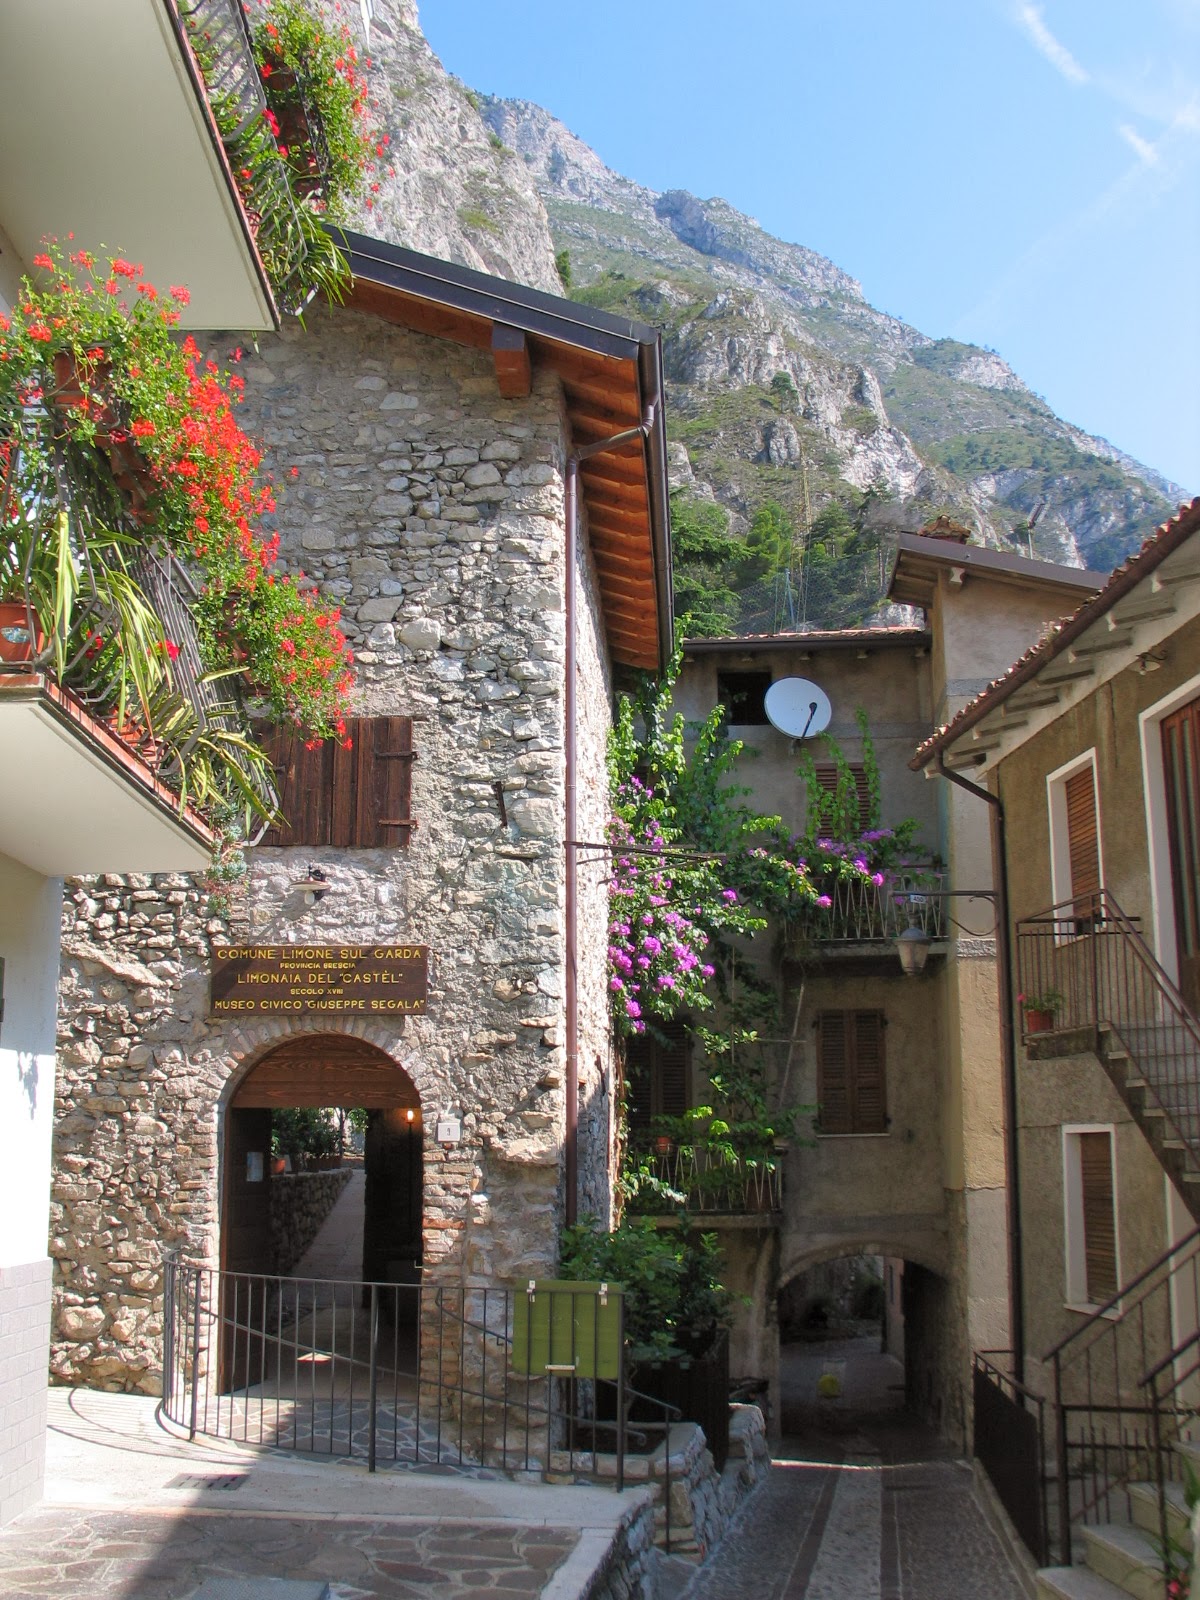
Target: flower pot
x: 1038, y: 1021
x: 278, y: 1165
x: 19, y: 642
x: 662, y: 1144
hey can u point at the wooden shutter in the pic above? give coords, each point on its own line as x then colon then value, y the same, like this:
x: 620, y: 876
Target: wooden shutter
x: 1083, y: 841
x: 1099, y: 1219
x: 347, y: 798
x: 833, y: 1073
x: 384, y: 781
x: 870, y: 1078
x: 656, y: 1076
x: 851, y: 1072
x: 827, y: 777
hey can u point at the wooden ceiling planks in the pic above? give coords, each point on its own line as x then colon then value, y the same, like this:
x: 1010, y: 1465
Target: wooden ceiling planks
x: 327, y: 1070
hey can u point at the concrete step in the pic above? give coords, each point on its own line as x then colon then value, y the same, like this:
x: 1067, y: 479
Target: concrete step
x: 1144, y: 1501
x: 1127, y: 1557
x: 1075, y: 1583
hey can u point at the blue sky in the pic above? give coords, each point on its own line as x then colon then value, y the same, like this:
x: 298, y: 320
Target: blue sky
x: 1019, y: 173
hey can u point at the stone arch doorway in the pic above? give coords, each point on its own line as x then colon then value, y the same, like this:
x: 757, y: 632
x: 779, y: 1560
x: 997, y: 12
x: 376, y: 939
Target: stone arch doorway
x: 326, y: 1070
x: 870, y: 1347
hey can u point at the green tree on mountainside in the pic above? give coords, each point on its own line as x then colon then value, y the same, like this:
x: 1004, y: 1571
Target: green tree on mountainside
x: 768, y: 543
x: 706, y: 564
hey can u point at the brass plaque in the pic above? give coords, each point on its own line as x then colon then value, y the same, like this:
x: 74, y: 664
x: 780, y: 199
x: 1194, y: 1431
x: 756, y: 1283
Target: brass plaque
x: 358, y: 980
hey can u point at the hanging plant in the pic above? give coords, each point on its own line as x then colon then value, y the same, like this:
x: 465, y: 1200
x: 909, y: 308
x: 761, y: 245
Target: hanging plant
x: 120, y: 449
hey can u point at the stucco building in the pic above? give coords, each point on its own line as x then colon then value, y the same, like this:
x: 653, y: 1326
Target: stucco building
x: 913, y: 1169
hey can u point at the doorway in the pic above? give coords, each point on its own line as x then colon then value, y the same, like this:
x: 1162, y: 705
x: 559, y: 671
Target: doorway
x: 1181, y: 775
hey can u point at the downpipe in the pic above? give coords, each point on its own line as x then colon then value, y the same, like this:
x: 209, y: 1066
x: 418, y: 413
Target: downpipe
x: 571, y: 818
x: 1004, y: 983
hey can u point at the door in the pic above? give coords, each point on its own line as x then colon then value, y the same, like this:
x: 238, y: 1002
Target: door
x: 246, y: 1243
x: 1181, y: 771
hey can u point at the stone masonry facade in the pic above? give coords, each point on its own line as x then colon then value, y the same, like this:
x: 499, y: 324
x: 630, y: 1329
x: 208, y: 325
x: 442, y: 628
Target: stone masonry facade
x: 432, y: 511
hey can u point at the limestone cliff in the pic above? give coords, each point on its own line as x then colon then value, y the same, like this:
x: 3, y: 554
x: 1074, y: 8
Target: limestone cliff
x: 454, y: 191
x: 939, y: 424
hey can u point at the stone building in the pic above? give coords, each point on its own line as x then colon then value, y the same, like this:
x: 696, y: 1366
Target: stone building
x: 918, y: 1177
x: 441, y: 426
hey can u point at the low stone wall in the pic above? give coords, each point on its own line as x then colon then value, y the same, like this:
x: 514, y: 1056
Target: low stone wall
x: 300, y: 1203
x: 703, y: 1503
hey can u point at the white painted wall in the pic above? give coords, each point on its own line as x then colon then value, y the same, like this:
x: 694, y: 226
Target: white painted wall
x: 30, y: 909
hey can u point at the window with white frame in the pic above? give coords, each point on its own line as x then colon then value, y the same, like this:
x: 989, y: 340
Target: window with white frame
x: 1090, y: 1215
x: 1075, y: 857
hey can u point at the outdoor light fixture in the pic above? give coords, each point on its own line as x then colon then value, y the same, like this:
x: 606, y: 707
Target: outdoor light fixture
x: 410, y: 1115
x: 912, y: 946
x: 314, y: 886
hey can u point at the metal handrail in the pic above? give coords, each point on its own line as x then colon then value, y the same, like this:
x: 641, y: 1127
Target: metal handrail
x: 1122, y: 1295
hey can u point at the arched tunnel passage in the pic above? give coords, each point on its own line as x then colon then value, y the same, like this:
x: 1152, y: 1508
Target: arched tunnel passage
x: 867, y: 1364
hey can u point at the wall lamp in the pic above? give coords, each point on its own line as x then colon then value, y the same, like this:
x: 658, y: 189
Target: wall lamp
x: 314, y: 886
x: 912, y: 946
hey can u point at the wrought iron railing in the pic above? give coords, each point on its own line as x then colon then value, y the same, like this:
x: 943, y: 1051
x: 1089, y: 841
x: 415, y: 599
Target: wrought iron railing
x: 408, y: 1374
x: 861, y: 911
x: 1124, y: 1391
x: 1010, y: 1443
x: 220, y: 38
x: 1091, y: 960
x: 707, y: 1181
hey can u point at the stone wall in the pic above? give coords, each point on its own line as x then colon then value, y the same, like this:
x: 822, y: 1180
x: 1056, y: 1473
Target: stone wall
x: 431, y: 511
x: 300, y: 1203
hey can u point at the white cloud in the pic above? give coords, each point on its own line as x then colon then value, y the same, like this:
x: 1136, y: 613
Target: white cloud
x: 1144, y: 149
x: 1060, y: 58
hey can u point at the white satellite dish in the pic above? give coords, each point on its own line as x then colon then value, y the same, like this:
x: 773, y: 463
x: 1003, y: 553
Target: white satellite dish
x: 797, y: 707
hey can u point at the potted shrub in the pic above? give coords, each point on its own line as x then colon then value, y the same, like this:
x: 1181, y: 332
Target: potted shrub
x: 1040, y: 1010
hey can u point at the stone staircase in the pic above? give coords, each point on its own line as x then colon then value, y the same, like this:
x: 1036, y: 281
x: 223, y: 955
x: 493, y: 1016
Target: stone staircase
x: 1126, y: 1558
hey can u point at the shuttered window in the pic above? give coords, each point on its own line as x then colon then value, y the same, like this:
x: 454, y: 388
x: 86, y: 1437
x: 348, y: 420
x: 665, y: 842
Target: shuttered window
x: 1099, y: 1216
x: 359, y: 797
x: 1083, y: 840
x: 851, y: 1072
x: 827, y: 777
x: 656, y: 1072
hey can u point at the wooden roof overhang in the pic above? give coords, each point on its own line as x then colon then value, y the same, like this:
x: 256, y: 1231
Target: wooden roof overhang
x: 920, y: 561
x: 611, y: 374
x: 1129, y: 621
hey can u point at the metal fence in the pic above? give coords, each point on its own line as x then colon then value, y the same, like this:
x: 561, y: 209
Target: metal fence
x: 517, y: 1380
x: 863, y: 912
x: 1010, y: 1443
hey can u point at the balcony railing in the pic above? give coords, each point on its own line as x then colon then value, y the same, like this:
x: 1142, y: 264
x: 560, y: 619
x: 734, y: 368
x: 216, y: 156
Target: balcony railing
x: 863, y: 912
x: 709, y: 1182
x: 220, y: 37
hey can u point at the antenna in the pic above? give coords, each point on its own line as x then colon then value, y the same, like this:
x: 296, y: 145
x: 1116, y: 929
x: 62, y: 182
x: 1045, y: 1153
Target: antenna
x: 797, y: 707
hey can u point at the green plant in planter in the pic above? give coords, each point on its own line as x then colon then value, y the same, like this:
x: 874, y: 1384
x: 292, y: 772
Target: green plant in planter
x: 300, y: 1131
x: 675, y: 1303
x: 120, y: 452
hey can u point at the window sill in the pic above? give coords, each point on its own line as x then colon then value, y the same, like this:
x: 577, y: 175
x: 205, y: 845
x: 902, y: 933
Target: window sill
x: 1083, y: 1309
x: 887, y: 1134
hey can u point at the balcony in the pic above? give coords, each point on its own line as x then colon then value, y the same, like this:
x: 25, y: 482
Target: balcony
x: 707, y: 1182
x: 862, y: 917
x: 80, y: 84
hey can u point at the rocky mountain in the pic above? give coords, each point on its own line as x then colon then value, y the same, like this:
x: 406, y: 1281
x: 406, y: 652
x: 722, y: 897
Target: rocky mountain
x: 803, y: 421
x: 453, y: 190
x: 867, y: 402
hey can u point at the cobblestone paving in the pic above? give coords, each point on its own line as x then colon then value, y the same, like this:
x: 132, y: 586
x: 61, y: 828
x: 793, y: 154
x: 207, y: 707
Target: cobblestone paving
x: 862, y: 1503
x: 82, y: 1555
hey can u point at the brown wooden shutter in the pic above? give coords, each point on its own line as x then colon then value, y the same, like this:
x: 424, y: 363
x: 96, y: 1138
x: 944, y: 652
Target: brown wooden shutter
x: 384, y: 773
x: 1099, y: 1219
x: 851, y: 1072
x: 833, y: 1073
x: 870, y: 1078
x: 827, y: 776
x: 347, y: 798
x: 656, y: 1074
x: 1083, y: 843
x: 305, y: 779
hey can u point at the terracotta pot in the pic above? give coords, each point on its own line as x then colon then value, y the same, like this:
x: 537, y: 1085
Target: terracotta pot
x: 1038, y: 1021
x: 17, y: 643
x: 663, y: 1144
x: 278, y: 1165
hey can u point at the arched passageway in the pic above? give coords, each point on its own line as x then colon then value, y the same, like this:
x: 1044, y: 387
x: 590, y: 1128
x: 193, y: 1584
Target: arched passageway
x: 865, y: 1361
x: 326, y: 1071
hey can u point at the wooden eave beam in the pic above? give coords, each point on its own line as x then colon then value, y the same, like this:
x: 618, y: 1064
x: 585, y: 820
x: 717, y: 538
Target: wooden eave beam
x: 510, y: 355
x: 421, y: 316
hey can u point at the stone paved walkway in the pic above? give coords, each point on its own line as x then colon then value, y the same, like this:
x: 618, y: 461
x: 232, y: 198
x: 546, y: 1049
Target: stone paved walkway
x: 862, y: 1503
x: 157, y: 1555
x: 132, y: 1512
